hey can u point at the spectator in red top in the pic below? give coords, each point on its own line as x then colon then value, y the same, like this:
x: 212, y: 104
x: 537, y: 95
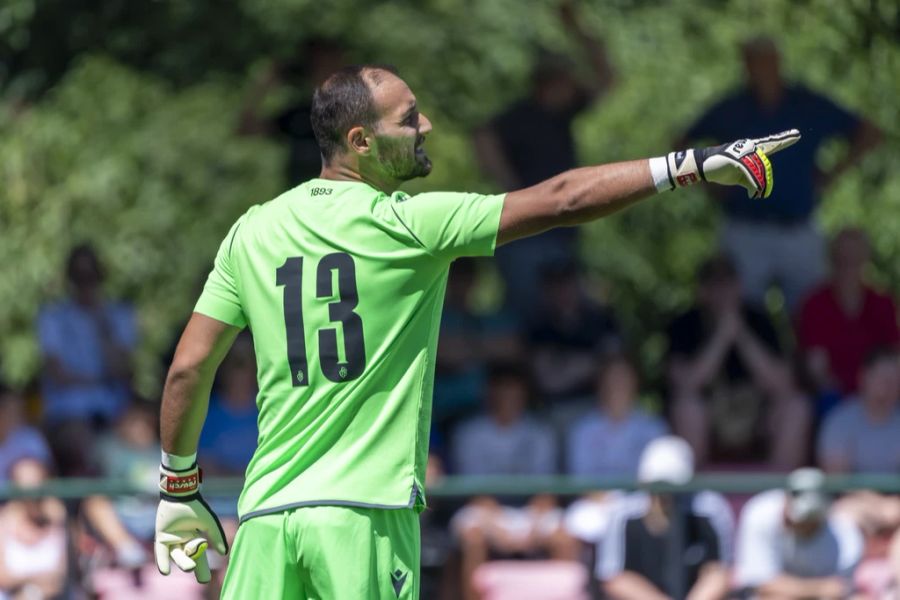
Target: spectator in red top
x: 845, y: 319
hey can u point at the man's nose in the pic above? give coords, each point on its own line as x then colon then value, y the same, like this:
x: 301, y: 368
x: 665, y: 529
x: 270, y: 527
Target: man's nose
x: 424, y: 124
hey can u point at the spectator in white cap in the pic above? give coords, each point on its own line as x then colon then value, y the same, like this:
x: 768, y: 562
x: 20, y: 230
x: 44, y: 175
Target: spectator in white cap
x: 789, y: 546
x: 663, y: 545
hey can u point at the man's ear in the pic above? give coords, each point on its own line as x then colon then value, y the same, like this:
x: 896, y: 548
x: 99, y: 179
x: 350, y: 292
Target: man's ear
x: 359, y: 141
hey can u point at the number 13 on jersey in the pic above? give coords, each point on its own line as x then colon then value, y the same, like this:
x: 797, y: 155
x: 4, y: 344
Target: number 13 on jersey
x: 290, y: 276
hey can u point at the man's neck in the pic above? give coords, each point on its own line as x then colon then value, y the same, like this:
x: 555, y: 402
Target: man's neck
x: 343, y: 172
x: 849, y: 295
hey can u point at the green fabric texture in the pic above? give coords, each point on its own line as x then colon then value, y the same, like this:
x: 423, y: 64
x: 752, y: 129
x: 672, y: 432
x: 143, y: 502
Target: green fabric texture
x: 342, y: 287
x: 327, y: 553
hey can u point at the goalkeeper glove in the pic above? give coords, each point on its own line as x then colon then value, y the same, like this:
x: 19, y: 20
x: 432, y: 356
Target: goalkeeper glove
x: 185, y: 525
x: 744, y: 162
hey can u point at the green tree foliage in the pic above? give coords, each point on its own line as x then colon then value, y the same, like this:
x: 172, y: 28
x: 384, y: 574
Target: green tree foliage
x: 127, y: 135
x: 150, y: 176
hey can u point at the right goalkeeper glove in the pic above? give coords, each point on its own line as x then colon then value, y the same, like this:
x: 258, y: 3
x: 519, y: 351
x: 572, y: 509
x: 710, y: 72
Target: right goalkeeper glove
x: 185, y: 524
x: 744, y: 162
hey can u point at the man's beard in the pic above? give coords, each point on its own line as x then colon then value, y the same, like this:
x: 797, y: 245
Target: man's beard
x: 401, y: 160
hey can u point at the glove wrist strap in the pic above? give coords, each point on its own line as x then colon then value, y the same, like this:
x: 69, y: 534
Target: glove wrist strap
x: 659, y: 170
x: 684, y: 168
x: 180, y: 484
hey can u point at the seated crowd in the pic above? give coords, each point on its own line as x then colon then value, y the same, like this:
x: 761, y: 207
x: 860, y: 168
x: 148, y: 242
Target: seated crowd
x: 556, y: 394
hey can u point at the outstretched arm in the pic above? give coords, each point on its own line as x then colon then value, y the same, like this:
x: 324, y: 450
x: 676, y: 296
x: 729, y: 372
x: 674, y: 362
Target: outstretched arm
x: 589, y: 193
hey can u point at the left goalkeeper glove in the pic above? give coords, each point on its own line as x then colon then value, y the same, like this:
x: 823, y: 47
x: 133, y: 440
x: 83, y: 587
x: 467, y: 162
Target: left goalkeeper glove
x: 185, y: 524
x: 744, y: 162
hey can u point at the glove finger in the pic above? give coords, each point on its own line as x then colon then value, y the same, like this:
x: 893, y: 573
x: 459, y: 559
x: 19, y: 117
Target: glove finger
x: 162, y: 558
x: 184, y: 562
x: 770, y: 175
x: 778, y: 141
x: 202, y: 571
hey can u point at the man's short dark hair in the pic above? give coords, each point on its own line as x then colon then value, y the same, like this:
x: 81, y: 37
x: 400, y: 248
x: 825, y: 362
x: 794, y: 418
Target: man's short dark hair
x: 344, y: 100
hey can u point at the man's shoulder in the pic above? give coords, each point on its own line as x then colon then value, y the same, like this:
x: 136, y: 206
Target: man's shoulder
x: 588, y: 424
x: 475, y: 426
x: 712, y: 505
x: 534, y: 428
x: 765, y: 509
x: 879, y: 299
x: 848, y: 412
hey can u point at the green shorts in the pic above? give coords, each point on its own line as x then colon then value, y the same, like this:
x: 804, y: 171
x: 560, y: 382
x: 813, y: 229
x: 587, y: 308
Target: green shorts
x: 328, y: 553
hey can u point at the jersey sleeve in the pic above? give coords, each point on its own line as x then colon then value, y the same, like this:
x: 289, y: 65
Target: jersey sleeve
x: 450, y: 224
x: 220, y: 299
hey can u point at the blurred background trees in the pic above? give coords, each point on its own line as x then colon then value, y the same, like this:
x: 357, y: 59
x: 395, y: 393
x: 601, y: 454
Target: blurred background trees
x: 118, y: 126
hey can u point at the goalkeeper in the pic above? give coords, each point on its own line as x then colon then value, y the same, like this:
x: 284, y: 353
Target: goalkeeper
x: 341, y: 280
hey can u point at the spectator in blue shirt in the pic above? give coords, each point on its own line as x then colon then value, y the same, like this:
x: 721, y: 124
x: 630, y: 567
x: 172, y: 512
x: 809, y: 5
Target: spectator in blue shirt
x: 775, y: 241
x: 230, y: 433
x: 17, y: 440
x: 86, y: 342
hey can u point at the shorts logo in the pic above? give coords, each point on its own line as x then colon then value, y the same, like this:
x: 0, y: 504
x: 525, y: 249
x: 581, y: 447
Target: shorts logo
x: 398, y: 578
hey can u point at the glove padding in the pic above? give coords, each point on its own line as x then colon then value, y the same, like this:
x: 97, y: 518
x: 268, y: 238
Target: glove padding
x: 744, y: 162
x: 185, y: 525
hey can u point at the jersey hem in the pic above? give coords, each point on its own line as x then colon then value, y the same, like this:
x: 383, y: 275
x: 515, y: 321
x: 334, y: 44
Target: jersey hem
x: 348, y: 503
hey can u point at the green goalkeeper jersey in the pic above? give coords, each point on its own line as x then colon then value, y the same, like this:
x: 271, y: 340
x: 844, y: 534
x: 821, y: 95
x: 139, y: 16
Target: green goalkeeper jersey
x: 342, y: 287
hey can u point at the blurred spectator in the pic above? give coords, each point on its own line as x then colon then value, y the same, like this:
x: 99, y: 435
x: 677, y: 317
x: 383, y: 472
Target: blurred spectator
x: 733, y: 394
x: 32, y: 539
x: 844, y: 319
x: 86, y: 342
x: 667, y: 545
x: 863, y: 435
x: 532, y: 141
x: 568, y: 334
x: 467, y: 341
x: 878, y: 518
x: 17, y: 440
x: 313, y: 62
x: 229, y: 435
x: 789, y: 547
x: 776, y: 241
x: 489, y: 530
x: 131, y: 453
x: 505, y: 441
x: 609, y: 441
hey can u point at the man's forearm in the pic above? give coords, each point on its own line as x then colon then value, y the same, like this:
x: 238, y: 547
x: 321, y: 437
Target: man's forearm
x: 574, y: 197
x: 184, y: 405
x: 202, y: 347
x: 585, y: 194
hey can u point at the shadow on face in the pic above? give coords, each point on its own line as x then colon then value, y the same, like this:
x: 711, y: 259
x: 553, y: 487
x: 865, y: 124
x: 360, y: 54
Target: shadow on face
x: 762, y: 63
x: 507, y: 398
x: 617, y: 387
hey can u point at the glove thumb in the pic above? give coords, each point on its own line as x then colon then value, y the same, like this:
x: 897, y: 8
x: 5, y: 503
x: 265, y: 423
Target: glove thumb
x: 777, y: 141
